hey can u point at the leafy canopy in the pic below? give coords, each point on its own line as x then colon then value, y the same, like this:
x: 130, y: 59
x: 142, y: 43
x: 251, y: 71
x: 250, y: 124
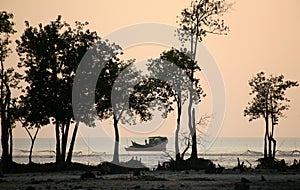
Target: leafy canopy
x: 50, y: 55
x: 268, y: 97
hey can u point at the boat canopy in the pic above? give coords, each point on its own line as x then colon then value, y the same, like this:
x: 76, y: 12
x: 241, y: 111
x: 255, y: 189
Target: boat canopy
x: 157, y: 137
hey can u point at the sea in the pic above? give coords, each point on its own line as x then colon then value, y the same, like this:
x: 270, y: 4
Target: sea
x: 93, y: 151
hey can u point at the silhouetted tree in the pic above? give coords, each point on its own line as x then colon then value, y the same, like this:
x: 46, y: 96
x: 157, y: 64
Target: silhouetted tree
x: 148, y: 95
x: 49, y: 56
x: 180, y: 81
x: 198, y: 20
x: 124, y: 95
x: 109, y: 105
x: 9, y: 80
x: 186, y: 136
x: 32, y: 139
x: 91, y: 102
x: 269, y: 102
x: 22, y: 113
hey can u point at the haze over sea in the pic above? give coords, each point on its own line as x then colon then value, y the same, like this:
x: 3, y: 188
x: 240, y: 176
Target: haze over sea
x: 96, y: 150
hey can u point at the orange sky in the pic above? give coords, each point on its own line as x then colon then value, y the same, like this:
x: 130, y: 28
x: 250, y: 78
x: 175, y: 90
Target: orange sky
x: 264, y: 36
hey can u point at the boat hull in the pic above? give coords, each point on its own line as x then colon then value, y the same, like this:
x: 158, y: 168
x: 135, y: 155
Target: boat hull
x: 159, y: 147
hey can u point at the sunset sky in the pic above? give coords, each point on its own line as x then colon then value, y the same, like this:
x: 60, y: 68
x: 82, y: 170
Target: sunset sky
x: 264, y: 36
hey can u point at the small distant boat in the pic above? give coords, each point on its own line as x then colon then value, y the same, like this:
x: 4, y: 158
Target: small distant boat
x: 156, y: 143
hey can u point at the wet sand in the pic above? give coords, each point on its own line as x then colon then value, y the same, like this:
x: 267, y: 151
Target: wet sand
x: 186, y: 180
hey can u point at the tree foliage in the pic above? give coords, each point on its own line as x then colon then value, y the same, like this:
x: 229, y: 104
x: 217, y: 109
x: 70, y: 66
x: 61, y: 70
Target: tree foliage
x: 114, y: 86
x: 269, y: 102
x: 176, y: 67
x: 49, y: 56
x: 9, y: 80
x: 201, y: 18
x: 198, y: 18
x: 269, y: 96
x: 6, y: 30
x: 148, y: 95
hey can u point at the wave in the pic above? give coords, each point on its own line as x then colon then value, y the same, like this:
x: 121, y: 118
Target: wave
x: 51, y: 153
x: 251, y: 152
x: 256, y: 153
x: 286, y: 153
x: 40, y: 151
x: 86, y: 153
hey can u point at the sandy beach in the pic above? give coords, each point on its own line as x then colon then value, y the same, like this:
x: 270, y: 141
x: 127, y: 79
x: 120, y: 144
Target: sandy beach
x: 152, y: 180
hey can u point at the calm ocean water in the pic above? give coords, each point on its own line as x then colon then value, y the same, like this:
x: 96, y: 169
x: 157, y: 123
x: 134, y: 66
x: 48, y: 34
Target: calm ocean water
x: 95, y: 150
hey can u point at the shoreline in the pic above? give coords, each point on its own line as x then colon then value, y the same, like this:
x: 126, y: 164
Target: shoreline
x: 152, y: 180
x: 226, y: 161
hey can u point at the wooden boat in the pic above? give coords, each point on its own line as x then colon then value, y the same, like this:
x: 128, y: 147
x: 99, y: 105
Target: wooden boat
x: 156, y: 143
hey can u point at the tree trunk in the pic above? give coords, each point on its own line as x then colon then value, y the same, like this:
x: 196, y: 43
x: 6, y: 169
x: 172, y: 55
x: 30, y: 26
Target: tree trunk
x: 270, y: 146
x: 30, y: 151
x: 4, y: 129
x: 274, y: 147
x: 4, y: 139
x: 194, y: 146
x: 179, y: 109
x: 32, y: 143
x: 194, y: 154
x: 272, y: 133
x: 10, y: 143
x: 265, y: 145
x: 5, y: 159
x: 10, y: 135
x: 186, y: 149
x: 57, y: 136
x: 64, y: 140
x: 71, y: 148
x: 191, y: 111
x: 271, y: 136
x: 190, y: 122
x: 266, y: 132
x: 116, y: 148
x: 267, y: 127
